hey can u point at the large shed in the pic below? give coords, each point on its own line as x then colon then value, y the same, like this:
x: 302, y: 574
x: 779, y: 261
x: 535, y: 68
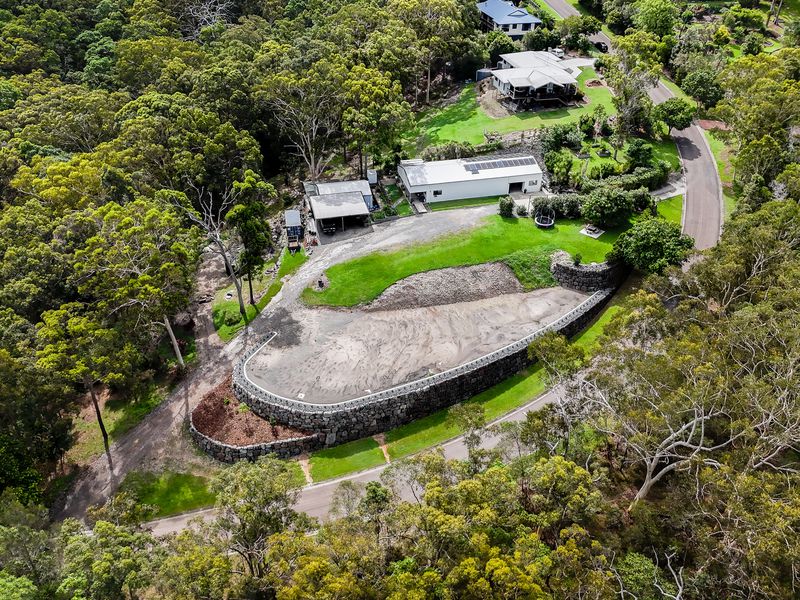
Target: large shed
x: 335, y: 203
x: 460, y: 179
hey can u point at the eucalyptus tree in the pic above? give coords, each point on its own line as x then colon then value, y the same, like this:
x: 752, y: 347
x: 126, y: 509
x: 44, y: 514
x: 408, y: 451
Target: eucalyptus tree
x: 139, y: 263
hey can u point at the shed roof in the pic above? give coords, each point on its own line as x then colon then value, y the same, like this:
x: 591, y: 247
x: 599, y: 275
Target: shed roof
x: 292, y: 218
x: 505, y: 13
x: 421, y: 173
x: 338, y: 187
x: 342, y: 204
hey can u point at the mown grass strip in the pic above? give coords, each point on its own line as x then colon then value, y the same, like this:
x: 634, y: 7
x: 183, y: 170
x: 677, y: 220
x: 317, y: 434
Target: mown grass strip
x: 363, y: 279
x: 347, y: 458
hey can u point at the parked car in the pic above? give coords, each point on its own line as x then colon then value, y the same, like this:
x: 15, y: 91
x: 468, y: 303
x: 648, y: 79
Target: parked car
x: 557, y: 52
x: 602, y: 46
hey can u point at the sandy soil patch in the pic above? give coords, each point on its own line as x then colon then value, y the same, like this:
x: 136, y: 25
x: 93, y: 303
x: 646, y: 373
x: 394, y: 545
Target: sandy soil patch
x: 448, y: 286
x: 220, y: 416
x: 326, y: 356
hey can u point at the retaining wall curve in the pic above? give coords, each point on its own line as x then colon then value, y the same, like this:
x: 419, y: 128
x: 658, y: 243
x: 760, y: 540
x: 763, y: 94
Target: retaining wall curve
x: 586, y: 278
x: 281, y: 448
x: 381, y: 411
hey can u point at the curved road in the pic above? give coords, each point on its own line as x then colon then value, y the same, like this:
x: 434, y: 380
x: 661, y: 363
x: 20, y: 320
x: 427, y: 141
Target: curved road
x: 702, y: 204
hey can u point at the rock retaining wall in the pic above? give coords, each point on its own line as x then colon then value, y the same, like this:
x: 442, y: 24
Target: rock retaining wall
x: 281, y: 448
x: 586, y: 278
x: 381, y: 411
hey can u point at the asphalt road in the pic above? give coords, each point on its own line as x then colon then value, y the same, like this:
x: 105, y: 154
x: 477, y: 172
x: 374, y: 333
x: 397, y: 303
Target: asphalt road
x: 315, y: 500
x: 702, y: 208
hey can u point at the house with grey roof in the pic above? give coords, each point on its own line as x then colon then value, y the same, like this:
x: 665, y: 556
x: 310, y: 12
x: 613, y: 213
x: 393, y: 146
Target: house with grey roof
x: 505, y: 16
x: 525, y: 78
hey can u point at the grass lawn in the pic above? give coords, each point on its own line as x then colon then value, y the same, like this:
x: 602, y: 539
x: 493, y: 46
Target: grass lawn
x: 120, y: 415
x: 438, y: 427
x: 347, y: 458
x: 399, y: 201
x: 363, y: 279
x: 172, y: 493
x: 228, y: 320
x: 547, y: 9
x: 448, y: 204
x: 671, y: 209
x: 723, y: 158
x: 666, y: 150
x: 189, y: 351
x: 465, y: 120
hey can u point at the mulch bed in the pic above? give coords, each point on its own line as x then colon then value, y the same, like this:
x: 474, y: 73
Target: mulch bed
x: 710, y: 124
x: 221, y: 417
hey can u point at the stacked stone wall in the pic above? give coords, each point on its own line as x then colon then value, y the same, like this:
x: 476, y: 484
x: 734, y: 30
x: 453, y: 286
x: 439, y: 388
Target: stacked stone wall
x: 586, y: 278
x: 381, y: 411
x: 281, y: 448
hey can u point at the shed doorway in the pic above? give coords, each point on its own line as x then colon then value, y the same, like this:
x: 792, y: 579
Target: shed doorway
x: 515, y: 187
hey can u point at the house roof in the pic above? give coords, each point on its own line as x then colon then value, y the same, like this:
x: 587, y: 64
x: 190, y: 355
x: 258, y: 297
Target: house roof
x: 337, y: 187
x: 536, y: 77
x: 292, y: 218
x: 341, y: 204
x: 421, y: 173
x: 531, y: 59
x: 505, y: 13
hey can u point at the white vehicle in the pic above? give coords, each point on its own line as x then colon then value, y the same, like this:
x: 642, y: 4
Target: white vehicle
x: 556, y: 52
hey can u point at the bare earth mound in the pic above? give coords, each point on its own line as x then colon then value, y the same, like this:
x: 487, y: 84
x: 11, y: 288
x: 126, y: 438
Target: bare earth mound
x: 323, y: 356
x: 448, y: 286
x: 220, y: 417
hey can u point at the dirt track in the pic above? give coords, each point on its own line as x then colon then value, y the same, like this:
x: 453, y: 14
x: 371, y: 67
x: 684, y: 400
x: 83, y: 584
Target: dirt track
x: 336, y: 355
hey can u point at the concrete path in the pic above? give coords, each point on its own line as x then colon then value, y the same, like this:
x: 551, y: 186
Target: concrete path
x: 702, y: 208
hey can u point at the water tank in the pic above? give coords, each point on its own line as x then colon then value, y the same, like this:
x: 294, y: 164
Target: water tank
x: 483, y: 74
x: 372, y: 176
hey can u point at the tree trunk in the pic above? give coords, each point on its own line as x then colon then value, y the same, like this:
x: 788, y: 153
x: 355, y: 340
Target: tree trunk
x: 175, y: 347
x: 90, y: 388
x: 778, y: 12
x: 250, y: 285
x: 236, y: 283
x: 428, y: 88
x: 360, y: 162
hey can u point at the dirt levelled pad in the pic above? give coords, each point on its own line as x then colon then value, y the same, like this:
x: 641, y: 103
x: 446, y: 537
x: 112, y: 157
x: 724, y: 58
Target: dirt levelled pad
x: 326, y: 356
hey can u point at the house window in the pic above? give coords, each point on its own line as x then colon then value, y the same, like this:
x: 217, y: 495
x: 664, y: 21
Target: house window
x: 437, y: 193
x: 514, y: 26
x: 532, y: 183
x: 526, y: 27
x: 505, y: 27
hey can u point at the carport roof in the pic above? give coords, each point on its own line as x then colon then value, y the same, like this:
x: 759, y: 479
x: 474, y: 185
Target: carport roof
x: 342, y: 204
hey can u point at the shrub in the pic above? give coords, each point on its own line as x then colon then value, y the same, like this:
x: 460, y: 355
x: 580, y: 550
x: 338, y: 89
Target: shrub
x: 640, y: 153
x: 557, y: 136
x: 648, y: 177
x: 522, y: 211
x: 651, y: 245
x: 449, y: 151
x: 566, y: 206
x: 739, y: 19
x: 608, y: 207
x: 753, y: 44
x: 507, y: 207
x: 675, y: 112
x: 703, y: 87
x: 559, y: 165
x: 603, y: 170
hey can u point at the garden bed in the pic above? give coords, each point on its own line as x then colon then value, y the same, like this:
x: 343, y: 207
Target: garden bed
x: 223, y: 418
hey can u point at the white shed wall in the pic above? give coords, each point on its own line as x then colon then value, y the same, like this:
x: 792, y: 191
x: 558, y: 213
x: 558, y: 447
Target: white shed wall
x: 461, y: 190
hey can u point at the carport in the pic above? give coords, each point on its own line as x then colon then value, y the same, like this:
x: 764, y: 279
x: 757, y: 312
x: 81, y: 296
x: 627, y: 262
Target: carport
x: 334, y: 210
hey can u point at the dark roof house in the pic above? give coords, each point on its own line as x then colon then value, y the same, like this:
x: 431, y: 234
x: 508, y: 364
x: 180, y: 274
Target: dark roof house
x: 505, y: 16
